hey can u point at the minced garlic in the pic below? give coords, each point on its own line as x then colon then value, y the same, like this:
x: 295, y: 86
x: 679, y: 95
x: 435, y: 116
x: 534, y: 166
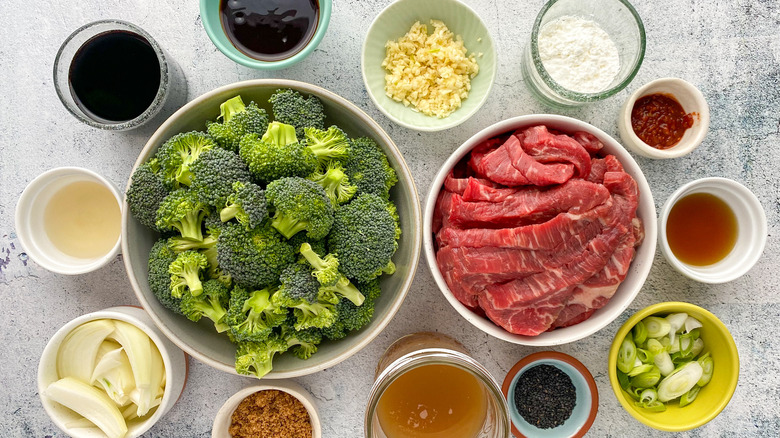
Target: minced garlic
x: 432, y: 72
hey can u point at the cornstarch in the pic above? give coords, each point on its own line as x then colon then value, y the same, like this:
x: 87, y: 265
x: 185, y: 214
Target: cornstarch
x: 578, y: 54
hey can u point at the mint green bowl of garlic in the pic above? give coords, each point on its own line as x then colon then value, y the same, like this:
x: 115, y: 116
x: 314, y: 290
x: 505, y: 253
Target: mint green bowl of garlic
x: 393, y: 23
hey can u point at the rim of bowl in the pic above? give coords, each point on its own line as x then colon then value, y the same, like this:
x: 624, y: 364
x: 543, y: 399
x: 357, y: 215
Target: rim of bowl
x: 27, y: 199
x: 586, y: 97
x: 512, y: 374
x: 647, y: 248
x: 757, y: 222
x: 454, y: 122
x: 668, y: 307
x: 118, y: 313
x: 416, y: 243
x: 222, y: 418
x: 239, y: 57
x: 683, y: 147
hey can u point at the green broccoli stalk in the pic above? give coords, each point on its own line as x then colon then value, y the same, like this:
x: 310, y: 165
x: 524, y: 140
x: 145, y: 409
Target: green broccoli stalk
x: 302, y: 343
x: 214, y: 173
x: 290, y: 107
x: 276, y: 154
x: 368, y: 169
x: 237, y: 120
x: 246, y: 204
x: 256, y: 358
x: 335, y: 182
x: 342, y: 288
x: 327, y: 145
x: 185, y: 273
x: 364, y: 237
x: 179, y: 152
x: 181, y: 210
x: 160, y: 259
x: 253, y: 258
x: 300, y: 205
x: 211, y: 303
x: 180, y: 244
x: 146, y: 192
x: 307, y: 314
x: 251, y: 316
x: 326, y: 270
x: 350, y: 317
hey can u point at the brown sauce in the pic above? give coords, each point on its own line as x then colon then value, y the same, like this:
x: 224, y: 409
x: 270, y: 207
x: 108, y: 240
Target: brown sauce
x: 269, y: 30
x: 701, y: 229
x: 659, y: 120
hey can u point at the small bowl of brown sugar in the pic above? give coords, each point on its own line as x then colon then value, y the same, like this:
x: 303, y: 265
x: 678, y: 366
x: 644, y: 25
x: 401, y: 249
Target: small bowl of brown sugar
x: 279, y: 410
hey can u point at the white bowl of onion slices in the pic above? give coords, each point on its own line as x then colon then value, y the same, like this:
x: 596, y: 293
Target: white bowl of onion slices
x: 110, y: 373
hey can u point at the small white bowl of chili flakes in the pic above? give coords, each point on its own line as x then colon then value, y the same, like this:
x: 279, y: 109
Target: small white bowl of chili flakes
x: 665, y: 118
x: 280, y: 409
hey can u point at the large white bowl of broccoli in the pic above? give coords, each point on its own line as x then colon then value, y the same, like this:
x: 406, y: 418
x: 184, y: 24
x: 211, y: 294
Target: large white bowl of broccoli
x: 271, y: 228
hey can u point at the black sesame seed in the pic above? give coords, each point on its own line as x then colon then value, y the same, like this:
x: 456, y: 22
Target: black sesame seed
x: 545, y: 396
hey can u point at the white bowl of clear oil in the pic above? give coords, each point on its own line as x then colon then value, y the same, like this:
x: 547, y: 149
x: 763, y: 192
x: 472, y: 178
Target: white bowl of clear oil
x: 68, y: 220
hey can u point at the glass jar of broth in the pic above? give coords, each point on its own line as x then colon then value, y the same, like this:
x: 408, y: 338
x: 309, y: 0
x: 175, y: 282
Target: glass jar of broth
x: 427, y: 386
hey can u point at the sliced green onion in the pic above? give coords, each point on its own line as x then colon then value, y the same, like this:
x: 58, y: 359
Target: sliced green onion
x: 676, y: 322
x: 648, y: 396
x: 656, y: 327
x: 623, y: 380
x: 655, y: 406
x: 640, y: 333
x: 689, y: 396
x: 698, y: 346
x: 648, y: 399
x: 666, y: 342
x: 707, y: 365
x: 644, y: 356
x: 640, y: 369
x: 664, y: 363
x: 647, y: 379
x: 680, y: 381
x: 654, y: 346
x: 626, y: 354
x: 691, y: 323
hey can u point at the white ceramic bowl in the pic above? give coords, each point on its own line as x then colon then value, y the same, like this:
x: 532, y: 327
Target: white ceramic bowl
x: 175, y: 371
x: 637, y: 273
x: 29, y: 219
x: 222, y: 420
x: 200, y: 340
x: 691, y: 100
x: 751, y: 230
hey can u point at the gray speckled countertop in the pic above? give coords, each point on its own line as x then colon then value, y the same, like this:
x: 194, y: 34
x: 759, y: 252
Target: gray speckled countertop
x: 730, y: 49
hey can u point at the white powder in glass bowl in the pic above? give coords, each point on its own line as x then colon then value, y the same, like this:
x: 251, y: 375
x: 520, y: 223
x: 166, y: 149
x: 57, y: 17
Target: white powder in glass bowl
x: 578, y: 54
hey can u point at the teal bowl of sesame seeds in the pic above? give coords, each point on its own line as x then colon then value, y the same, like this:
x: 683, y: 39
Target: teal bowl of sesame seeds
x: 550, y: 395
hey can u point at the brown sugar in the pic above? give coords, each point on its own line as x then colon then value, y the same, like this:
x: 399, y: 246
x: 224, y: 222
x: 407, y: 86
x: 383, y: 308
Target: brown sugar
x: 270, y: 414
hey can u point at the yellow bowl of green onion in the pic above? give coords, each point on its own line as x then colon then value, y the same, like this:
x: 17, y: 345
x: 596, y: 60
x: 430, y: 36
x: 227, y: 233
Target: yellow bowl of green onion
x: 673, y: 366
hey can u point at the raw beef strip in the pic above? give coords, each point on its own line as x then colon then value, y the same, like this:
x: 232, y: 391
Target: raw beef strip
x: 441, y: 210
x: 545, y: 147
x: 497, y: 166
x: 458, y: 185
x: 478, y: 190
x: 536, y: 173
x: 588, y: 141
x: 543, y: 236
x: 528, y: 320
x: 613, y: 164
x: 598, y: 167
x: 462, y: 294
x: 527, y: 206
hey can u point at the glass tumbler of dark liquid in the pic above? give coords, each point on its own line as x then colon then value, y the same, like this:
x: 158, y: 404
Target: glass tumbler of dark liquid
x: 112, y: 75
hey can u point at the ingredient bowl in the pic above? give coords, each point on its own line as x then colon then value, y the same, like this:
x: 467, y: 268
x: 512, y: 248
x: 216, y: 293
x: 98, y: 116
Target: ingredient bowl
x: 751, y: 230
x: 31, y: 224
x: 586, y: 394
x: 692, y: 102
x: 223, y: 419
x: 637, y: 271
x: 393, y: 23
x: 623, y: 26
x: 174, y: 360
x: 210, y: 15
x: 200, y: 339
x: 712, y: 398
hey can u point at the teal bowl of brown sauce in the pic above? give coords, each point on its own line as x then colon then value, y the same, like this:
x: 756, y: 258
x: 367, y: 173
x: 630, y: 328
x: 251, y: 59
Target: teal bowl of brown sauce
x: 266, y: 34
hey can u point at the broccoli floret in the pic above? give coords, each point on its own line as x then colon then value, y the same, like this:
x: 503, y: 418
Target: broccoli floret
x: 368, y: 169
x: 237, y: 120
x: 179, y: 152
x: 212, y: 304
x: 207, y: 247
x: 247, y: 204
x: 300, y: 205
x: 318, y: 246
x: 146, y: 192
x: 185, y: 273
x: 318, y: 314
x: 350, y: 317
x: 214, y: 173
x: 256, y: 358
x: 299, y: 283
x: 335, y: 182
x: 253, y: 258
x: 302, y: 343
x: 326, y: 269
x: 181, y: 210
x: 342, y: 288
x: 276, y: 154
x: 251, y: 316
x: 364, y: 237
x: 160, y: 259
x: 290, y: 107
x: 331, y: 144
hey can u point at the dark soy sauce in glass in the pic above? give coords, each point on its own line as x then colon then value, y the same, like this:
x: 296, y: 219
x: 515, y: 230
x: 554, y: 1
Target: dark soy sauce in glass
x: 269, y: 30
x: 115, y: 76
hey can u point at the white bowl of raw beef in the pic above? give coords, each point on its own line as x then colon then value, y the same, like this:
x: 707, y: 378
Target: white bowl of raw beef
x: 545, y: 231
